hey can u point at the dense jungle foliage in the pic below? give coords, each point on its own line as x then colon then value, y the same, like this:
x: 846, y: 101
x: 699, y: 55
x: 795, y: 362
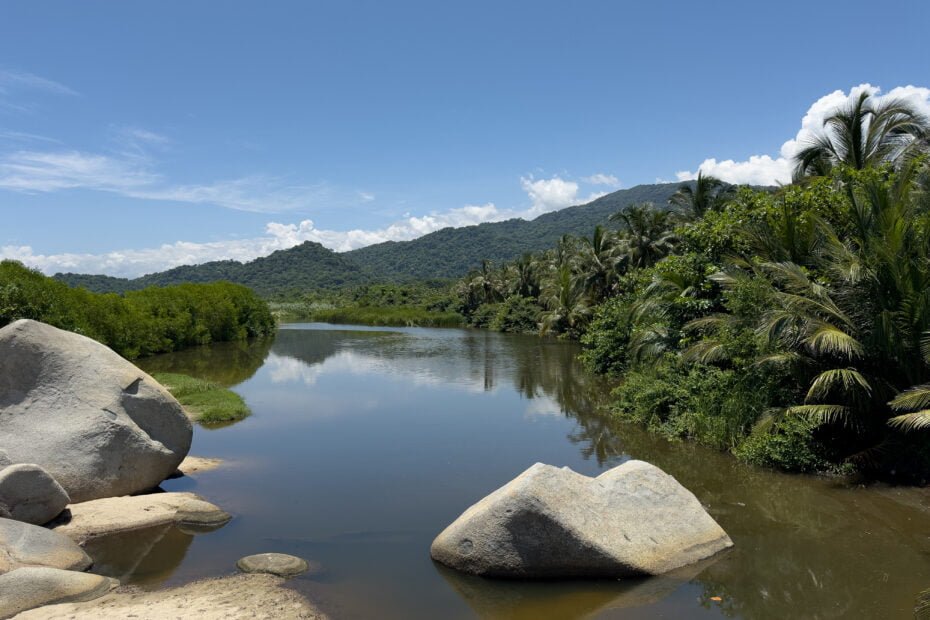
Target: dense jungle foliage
x: 139, y: 323
x: 790, y: 327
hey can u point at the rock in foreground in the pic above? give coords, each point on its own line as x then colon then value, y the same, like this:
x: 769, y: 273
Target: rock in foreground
x: 100, y: 426
x: 633, y: 520
x: 28, y: 588
x: 22, y: 544
x: 28, y: 493
x: 259, y: 597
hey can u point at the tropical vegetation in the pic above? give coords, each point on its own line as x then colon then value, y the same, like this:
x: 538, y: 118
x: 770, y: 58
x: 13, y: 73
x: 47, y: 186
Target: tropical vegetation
x: 204, y: 401
x: 138, y: 323
x: 788, y: 325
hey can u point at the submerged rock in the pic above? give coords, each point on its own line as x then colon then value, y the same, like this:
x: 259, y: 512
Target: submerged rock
x: 28, y: 493
x: 22, y: 544
x: 279, y: 564
x: 99, y: 425
x: 633, y: 520
x: 28, y: 588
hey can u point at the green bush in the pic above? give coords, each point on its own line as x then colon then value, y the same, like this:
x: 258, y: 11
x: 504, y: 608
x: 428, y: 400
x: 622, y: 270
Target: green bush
x: 789, y: 445
x: 152, y: 320
x: 518, y: 315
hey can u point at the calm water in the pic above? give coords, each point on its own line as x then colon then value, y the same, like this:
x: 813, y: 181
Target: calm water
x: 365, y: 443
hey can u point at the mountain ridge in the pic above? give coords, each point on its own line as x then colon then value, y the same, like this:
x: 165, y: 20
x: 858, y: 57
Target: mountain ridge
x: 446, y: 253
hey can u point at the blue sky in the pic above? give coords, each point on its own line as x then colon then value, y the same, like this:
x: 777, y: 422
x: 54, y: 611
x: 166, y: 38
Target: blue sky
x: 138, y: 136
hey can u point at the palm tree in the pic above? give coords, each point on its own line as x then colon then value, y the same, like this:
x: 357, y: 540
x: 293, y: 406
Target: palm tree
x: 598, y: 262
x: 648, y: 234
x: 567, y: 307
x: 862, y: 134
x: 854, y: 324
x: 707, y: 193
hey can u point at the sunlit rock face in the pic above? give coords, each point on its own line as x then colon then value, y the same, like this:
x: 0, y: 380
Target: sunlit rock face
x: 633, y: 520
x: 97, y: 424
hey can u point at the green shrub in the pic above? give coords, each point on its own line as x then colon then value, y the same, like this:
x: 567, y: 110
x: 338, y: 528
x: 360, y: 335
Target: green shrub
x: 518, y: 315
x: 789, y: 445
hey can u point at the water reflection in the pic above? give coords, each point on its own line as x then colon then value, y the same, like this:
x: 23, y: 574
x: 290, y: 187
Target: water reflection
x: 366, y: 431
x: 225, y: 363
x: 145, y: 557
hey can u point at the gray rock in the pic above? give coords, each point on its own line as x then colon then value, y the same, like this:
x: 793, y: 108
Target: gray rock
x: 99, y: 425
x: 4, y: 459
x: 30, y: 494
x: 22, y: 544
x: 279, y: 564
x: 633, y: 520
x: 28, y: 588
x: 196, y: 515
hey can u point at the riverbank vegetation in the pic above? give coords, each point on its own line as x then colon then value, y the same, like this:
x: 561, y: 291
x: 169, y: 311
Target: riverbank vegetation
x: 205, y: 401
x: 426, y: 304
x: 137, y: 323
x: 790, y: 326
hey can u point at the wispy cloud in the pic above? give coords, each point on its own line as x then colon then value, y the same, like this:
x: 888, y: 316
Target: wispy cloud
x: 769, y: 170
x: 603, y: 179
x: 133, y: 174
x: 12, y: 81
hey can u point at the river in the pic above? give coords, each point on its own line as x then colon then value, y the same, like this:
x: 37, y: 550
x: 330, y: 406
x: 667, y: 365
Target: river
x: 364, y: 443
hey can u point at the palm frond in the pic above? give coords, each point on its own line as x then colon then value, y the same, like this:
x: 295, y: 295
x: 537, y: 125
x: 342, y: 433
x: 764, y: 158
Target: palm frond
x: 918, y: 397
x: 845, y: 378
x: 907, y: 422
x: 829, y: 339
x: 822, y: 414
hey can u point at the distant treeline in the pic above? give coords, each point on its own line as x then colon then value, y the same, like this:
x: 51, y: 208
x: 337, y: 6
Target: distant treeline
x: 138, y: 323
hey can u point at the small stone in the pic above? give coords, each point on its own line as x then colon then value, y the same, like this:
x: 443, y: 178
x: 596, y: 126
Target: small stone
x: 31, y: 587
x: 4, y: 459
x: 279, y: 564
x: 198, y: 515
x: 30, y: 494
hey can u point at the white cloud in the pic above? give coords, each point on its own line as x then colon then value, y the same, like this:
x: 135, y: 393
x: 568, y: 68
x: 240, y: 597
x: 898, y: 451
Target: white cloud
x: 603, y: 179
x: 278, y: 236
x: 552, y: 194
x: 768, y: 170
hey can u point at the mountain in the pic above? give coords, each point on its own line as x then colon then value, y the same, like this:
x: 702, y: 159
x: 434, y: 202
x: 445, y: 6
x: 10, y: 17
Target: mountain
x: 303, y: 267
x: 446, y: 253
x: 452, y: 252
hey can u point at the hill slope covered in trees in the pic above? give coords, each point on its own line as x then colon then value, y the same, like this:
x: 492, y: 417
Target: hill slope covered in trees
x: 446, y: 253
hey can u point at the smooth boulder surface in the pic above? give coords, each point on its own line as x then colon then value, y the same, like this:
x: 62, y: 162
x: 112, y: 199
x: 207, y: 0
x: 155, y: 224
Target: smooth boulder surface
x: 633, y: 520
x: 114, y: 515
x: 30, y: 494
x: 28, y: 588
x: 22, y: 544
x: 279, y: 564
x: 100, y: 426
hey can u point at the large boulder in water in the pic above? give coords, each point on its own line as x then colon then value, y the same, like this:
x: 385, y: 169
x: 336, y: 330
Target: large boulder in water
x: 633, y: 520
x: 100, y: 426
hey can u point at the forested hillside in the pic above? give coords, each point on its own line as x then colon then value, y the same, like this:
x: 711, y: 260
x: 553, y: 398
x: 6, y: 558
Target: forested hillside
x: 447, y: 253
x: 298, y: 269
x: 452, y: 252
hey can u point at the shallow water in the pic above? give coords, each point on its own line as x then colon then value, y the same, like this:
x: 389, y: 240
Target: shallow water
x: 364, y: 443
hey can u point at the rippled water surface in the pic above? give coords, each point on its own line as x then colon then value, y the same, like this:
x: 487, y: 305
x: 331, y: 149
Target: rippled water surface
x: 364, y: 443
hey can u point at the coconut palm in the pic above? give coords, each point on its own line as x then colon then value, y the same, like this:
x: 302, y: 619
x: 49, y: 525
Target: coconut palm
x: 648, y: 234
x: 567, y: 306
x: 598, y: 263
x: 853, y: 325
x: 708, y: 193
x: 863, y: 133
